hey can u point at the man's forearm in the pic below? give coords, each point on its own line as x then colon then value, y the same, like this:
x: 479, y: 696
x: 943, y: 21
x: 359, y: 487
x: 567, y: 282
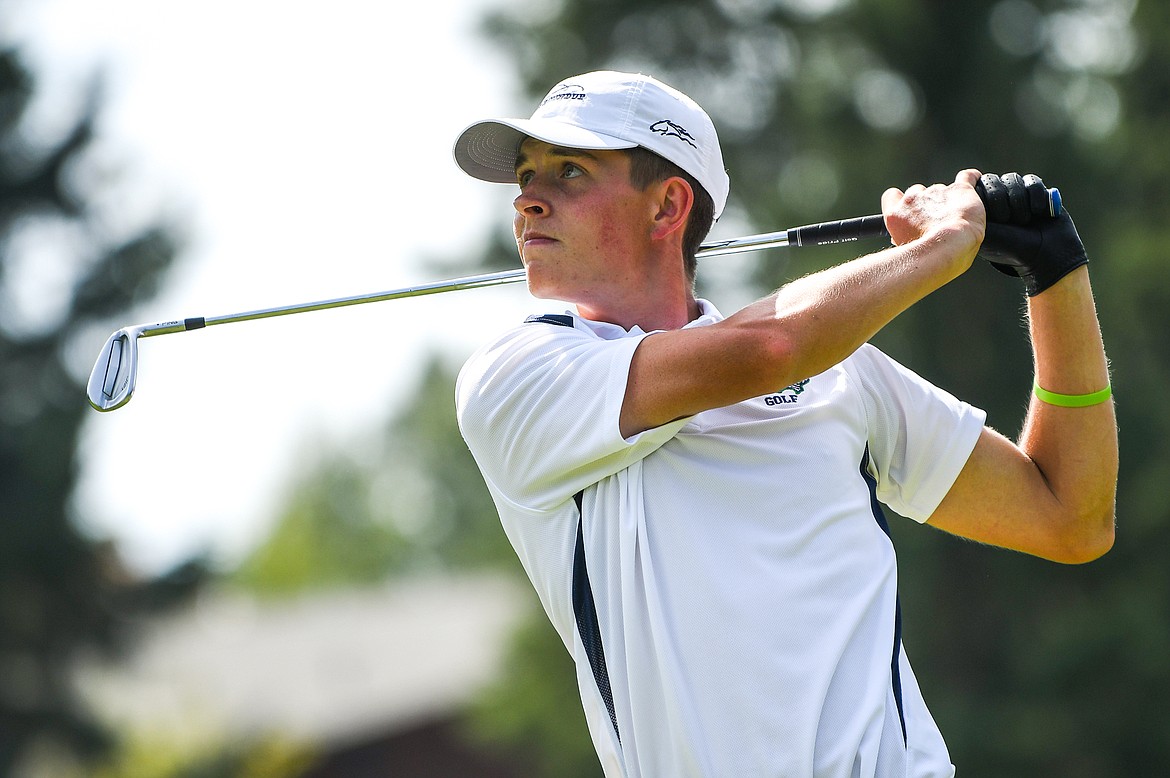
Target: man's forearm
x: 828, y: 315
x: 1075, y: 448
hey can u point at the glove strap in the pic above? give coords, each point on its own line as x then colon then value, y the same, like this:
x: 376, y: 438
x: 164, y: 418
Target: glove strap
x: 1072, y: 400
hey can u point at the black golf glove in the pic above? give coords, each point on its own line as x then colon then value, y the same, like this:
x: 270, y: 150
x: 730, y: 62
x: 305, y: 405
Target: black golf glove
x: 1023, y: 238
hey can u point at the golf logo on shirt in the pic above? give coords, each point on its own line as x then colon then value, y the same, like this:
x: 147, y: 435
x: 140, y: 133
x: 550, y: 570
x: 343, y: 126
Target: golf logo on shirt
x: 788, y: 395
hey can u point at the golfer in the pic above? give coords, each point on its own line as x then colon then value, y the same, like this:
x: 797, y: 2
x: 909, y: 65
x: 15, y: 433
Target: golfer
x: 696, y: 497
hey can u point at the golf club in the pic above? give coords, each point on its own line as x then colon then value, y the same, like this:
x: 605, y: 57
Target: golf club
x: 111, y: 384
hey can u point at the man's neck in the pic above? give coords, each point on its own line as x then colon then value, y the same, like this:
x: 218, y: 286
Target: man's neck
x: 650, y: 314
x: 653, y: 294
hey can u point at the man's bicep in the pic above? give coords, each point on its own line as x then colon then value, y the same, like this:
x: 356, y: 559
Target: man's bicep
x: 657, y: 388
x: 678, y: 373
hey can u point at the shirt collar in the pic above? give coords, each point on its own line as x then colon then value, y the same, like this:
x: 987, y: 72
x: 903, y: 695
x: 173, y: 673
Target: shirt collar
x: 708, y: 314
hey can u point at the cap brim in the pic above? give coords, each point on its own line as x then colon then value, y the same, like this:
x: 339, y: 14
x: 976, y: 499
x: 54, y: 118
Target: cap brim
x: 487, y: 150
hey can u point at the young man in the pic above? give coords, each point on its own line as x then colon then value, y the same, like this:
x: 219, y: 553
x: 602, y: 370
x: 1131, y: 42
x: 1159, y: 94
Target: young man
x: 695, y: 498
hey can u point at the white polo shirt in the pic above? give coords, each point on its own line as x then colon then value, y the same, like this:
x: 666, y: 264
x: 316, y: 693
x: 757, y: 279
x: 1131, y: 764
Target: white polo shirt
x: 725, y: 582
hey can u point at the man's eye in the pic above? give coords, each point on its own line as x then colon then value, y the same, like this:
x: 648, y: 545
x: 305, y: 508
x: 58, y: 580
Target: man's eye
x: 524, y: 177
x: 572, y: 171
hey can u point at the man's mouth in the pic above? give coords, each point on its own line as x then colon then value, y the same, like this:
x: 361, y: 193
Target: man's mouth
x: 530, y: 240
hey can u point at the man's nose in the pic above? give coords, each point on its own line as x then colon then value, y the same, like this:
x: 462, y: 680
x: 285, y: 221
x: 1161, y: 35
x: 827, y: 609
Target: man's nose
x: 532, y: 200
x: 529, y: 204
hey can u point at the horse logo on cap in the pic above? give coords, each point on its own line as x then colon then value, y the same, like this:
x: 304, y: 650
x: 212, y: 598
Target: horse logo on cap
x: 669, y: 129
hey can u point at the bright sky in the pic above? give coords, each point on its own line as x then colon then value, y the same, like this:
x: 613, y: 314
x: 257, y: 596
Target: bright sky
x: 307, y: 147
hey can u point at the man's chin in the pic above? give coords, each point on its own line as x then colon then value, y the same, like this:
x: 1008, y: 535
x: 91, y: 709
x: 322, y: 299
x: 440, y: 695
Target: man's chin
x: 544, y: 293
x: 540, y: 286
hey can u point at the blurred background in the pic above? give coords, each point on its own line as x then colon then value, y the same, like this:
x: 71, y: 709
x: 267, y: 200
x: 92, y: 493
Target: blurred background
x: 279, y: 558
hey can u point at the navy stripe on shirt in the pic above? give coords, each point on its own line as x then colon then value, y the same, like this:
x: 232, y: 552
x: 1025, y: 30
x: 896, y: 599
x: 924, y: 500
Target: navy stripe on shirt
x: 587, y: 626
x: 880, y: 517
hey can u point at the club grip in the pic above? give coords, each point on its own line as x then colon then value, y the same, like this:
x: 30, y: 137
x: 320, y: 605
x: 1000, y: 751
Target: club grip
x: 838, y: 232
x: 847, y: 230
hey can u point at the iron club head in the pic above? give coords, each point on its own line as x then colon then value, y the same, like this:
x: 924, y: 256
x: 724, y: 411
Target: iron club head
x: 111, y: 383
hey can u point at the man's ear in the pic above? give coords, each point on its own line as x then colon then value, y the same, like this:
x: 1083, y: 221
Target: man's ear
x: 675, y: 200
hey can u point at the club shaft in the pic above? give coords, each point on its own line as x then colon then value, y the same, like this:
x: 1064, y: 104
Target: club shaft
x: 437, y: 287
x: 809, y: 235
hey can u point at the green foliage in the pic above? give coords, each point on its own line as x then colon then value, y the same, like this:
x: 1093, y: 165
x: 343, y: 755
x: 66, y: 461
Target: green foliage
x: 537, y: 704
x: 325, y: 537
x: 60, y: 592
x: 413, y: 500
x: 141, y: 757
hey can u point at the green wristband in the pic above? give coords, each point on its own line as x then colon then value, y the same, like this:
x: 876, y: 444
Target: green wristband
x: 1072, y: 400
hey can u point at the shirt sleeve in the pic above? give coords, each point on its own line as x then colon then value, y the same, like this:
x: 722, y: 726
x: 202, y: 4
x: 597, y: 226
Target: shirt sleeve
x: 539, y: 409
x: 920, y: 436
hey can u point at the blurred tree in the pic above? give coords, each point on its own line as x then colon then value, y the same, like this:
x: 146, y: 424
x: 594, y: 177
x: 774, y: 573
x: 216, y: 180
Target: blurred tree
x: 60, y: 592
x: 410, y: 499
x: 535, y: 706
x: 245, y: 757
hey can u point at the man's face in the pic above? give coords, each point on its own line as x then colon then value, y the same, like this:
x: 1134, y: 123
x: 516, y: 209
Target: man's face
x: 580, y: 225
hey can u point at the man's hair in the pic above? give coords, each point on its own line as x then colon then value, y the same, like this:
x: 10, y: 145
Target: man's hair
x: 647, y: 168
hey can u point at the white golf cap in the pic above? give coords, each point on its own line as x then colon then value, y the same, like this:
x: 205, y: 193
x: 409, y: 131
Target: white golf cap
x: 604, y: 110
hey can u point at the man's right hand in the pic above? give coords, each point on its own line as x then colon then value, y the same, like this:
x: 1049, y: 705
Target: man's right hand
x: 952, y: 211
